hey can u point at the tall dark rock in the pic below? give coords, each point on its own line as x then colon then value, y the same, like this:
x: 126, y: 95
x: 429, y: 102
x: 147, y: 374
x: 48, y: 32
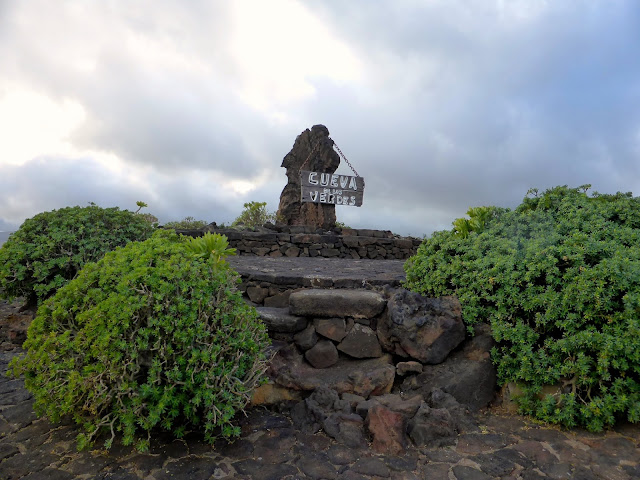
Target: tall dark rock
x: 316, y: 146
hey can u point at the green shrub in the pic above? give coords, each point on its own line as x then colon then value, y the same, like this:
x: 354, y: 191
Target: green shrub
x: 254, y: 215
x: 48, y: 250
x: 149, y: 336
x: 559, y: 280
x: 211, y: 245
x: 187, y: 223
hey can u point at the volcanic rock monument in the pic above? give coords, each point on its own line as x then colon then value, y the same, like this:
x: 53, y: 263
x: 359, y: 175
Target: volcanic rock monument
x: 312, y: 150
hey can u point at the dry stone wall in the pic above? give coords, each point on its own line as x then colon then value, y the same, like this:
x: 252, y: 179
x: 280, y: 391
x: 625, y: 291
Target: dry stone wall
x: 328, y: 337
x: 388, y: 362
x: 302, y: 241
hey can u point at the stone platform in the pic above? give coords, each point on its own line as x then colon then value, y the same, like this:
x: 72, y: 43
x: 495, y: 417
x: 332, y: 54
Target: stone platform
x: 319, y: 272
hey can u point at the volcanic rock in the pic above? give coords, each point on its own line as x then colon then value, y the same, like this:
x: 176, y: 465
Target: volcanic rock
x: 313, y: 151
x: 279, y: 320
x: 322, y: 355
x: 361, y: 342
x: 336, y: 303
x: 361, y: 377
x: 468, y: 375
x: 426, y: 329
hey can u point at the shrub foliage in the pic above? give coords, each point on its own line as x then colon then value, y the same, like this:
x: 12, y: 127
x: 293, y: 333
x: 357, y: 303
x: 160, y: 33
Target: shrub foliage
x: 187, y: 223
x: 253, y: 215
x: 49, y: 249
x: 558, y: 278
x: 149, y: 336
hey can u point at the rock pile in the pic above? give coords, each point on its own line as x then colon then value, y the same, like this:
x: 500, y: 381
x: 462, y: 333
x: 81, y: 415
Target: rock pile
x: 391, y: 365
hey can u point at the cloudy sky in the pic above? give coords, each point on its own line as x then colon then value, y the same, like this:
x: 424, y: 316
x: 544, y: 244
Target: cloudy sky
x: 191, y: 106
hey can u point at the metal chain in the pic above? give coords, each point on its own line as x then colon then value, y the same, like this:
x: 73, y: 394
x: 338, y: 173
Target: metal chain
x: 310, y: 154
x: 345, y: 158
x: 339, y: 151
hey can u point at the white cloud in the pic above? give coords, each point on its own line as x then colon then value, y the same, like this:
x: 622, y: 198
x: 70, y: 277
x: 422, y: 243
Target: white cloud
x: 34, y: 124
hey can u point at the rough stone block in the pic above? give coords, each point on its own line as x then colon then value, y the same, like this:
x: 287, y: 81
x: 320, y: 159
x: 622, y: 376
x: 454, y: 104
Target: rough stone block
x: 279, y: 320
x: 404, y: 368
x: 322, y: 355
x: 306, y: 339
x: 361, y: 342
x: 468, y: 374
x: 332, y: 328
x: 427, y: 329
x: 279, y: 300
x: 434, y: 427
x: 292, y: 252
x: 336, y: 303
x: 257, y: 294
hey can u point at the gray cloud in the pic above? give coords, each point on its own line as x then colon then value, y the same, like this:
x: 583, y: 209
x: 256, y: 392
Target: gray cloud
x: 459, y: 104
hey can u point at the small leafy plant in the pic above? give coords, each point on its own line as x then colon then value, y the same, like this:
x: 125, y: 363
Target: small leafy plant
x: 211, y: 245
x: 150, y: 336
x: 49, y: 249
x: 558, y: 278
x: 478, y: 217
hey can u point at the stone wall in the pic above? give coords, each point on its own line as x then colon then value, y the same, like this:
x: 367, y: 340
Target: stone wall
x: 356, y: 358
x: 301, y: 241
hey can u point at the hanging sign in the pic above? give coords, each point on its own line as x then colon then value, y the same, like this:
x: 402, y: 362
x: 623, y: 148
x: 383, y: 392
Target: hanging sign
x: 331, y: 189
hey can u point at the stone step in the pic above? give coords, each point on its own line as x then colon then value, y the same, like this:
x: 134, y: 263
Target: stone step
x: 336, y: 303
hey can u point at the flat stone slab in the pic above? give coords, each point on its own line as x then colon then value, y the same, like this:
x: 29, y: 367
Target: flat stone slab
x: 319, y: 272
x: 336, y: 303
x: 279, y: 320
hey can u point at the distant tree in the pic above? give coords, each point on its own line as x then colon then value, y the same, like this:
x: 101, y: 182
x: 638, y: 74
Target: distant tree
x: 254, y: 214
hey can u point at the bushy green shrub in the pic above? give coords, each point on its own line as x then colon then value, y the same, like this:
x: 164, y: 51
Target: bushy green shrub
x: 149, y: 336
x: 48, y: 250
x: 211, y: 245
x: 253, y: 215
x: 559, y: 280
x: 187, y: 223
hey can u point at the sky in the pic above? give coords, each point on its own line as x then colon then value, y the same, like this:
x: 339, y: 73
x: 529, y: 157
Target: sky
x: 190, y: 106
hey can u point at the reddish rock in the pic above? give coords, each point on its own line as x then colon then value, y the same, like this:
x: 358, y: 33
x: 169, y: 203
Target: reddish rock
x: 13, y: 329
x: 387, y: 429
x: 270, y: 394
